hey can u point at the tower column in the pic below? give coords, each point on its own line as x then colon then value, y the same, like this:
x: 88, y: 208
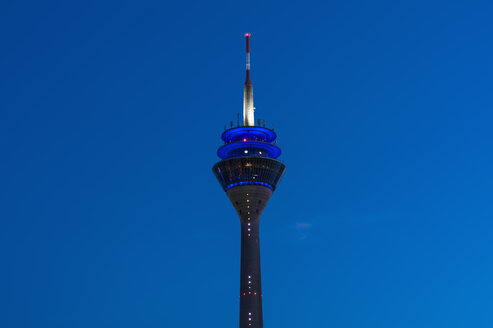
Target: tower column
x: 249, y: 201
x: 250, y: 281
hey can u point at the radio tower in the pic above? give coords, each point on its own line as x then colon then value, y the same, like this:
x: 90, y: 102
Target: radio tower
x: 249, y: 174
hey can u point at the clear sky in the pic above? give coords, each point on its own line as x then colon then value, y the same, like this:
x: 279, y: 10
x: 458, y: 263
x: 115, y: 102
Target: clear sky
x: 110, y: 118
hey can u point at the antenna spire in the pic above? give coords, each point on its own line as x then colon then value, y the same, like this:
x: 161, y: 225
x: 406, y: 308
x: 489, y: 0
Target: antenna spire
x: 248, y: 109
x: 247, y: 37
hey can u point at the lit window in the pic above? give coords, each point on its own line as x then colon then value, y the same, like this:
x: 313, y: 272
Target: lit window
x: 248, y: 235
x: 246, y: 151
x: 248, y: 223
x: 249, y: 282
x: 248, y: 201
x: 249, y: 313
x: 249, y: 276
x: 249, y: 319
x: 248, y: 229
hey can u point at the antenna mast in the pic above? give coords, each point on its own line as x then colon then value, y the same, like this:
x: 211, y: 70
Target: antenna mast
x: 248, y: 109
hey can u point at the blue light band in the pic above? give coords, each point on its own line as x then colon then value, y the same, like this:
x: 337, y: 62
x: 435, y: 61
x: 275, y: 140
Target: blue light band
x: 248, y: 148
x: 243, y: 183
x: 251, y: 133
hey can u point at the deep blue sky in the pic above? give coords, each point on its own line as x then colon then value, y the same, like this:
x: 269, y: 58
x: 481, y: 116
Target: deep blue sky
x: 110, y: 117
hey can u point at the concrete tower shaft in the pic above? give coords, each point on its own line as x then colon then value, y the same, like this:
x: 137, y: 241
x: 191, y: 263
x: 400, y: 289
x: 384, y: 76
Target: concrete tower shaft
x: 249, y: 201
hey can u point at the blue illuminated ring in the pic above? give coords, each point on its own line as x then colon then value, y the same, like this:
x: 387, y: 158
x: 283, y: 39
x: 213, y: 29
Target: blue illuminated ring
x: 227, y: 151
x: 250, y: 133
x: 244, y: 183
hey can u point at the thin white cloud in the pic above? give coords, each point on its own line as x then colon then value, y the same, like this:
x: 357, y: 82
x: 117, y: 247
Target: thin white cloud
x: 303, y: 225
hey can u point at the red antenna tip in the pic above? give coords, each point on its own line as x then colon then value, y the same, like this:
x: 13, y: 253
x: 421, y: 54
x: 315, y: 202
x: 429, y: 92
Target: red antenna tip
x: 248, y: 35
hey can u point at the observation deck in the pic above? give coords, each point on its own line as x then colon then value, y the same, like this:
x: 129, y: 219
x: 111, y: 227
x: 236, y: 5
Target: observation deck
x: 249, y: 141
x: 249, y: 157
